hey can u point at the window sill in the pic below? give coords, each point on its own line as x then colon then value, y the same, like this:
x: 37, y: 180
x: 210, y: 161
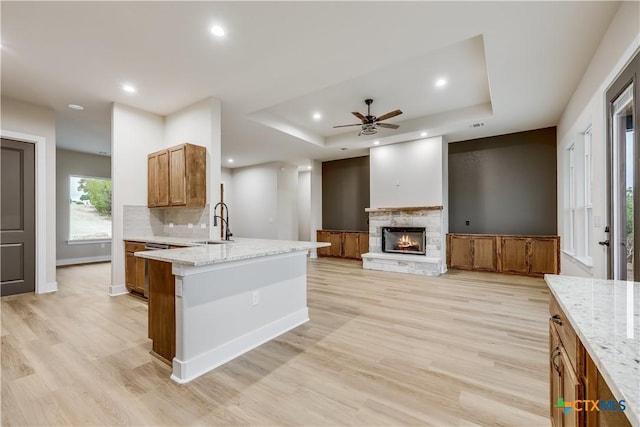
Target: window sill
x: 87, y: 242
x: 585, y: 263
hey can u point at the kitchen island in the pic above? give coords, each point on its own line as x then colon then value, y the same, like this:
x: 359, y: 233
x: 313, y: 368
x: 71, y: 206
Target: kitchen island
x: 595, y: 351
x: 228, y: 298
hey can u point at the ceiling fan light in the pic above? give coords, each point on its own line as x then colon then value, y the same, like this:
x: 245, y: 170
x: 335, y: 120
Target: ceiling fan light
x: 369, y: 129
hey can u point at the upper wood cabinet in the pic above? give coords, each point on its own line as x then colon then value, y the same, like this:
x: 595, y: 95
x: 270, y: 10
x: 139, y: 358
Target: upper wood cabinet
x: 176, y: 177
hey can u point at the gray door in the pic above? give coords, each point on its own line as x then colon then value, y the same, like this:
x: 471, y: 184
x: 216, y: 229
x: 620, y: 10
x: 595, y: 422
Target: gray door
x: 17, y: 218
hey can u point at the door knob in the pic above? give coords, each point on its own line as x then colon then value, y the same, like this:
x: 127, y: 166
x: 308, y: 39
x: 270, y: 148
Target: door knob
x: 605, y: 243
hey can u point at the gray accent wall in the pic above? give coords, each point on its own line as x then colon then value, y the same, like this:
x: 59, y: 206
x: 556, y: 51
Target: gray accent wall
x: 504, y: 184
x: 345, y: 194
x: 82, y: 164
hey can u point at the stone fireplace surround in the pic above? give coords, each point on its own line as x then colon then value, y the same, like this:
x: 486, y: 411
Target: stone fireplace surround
x: 431, y: 217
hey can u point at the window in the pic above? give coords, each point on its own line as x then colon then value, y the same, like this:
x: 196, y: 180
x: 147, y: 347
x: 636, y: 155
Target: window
x: 89, y: 208
x: 588, y: 181
x: 578, y: 206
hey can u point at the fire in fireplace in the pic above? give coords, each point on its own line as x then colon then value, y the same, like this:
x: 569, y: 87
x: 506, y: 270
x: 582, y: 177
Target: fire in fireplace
x: 404, y: 240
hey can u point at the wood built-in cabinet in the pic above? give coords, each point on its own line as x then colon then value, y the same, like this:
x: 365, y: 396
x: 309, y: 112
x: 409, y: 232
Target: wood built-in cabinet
x: 134, y: 267
x: 574, y: 377
x: 176, y: 177
x: 344, y: 244
x: 530, y: 255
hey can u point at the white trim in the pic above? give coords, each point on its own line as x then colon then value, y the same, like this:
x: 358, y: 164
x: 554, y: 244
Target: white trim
x: 88, y: 241
x: 115, y: 290
x: 49, y: 287
x: 84, y: 260
x: 41, y: 207
x: 187, y: 370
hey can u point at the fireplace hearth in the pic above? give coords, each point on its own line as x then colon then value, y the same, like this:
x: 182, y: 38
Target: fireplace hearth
x: 404, y: 240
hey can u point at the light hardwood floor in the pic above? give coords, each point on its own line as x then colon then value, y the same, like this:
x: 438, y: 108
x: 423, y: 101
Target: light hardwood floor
x: 380, y: 349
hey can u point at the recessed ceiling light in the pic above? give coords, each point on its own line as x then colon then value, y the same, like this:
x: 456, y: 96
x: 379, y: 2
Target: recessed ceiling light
x: 376, y: 142
x: 476, y: 125
x: 230, y: 160
x: 317, y: 116
x: 441, y: 82
x: 129, y: 88
x: 423, y: 134
x: 217, y: 31
x: 76, y: 107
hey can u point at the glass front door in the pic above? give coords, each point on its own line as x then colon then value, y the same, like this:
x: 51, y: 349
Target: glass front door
x: 624, y: 173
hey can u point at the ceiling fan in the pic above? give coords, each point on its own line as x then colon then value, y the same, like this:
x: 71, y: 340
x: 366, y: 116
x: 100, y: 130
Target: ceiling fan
x: 370, y: 123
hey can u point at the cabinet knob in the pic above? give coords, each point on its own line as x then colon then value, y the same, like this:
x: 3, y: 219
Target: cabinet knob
x: 556, y: 319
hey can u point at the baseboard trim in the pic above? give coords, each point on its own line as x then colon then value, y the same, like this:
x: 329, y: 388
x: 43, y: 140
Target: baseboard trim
x: 185, y: 371
x: 48, y: 287
x: 115, y: 290
x: 85, y: 260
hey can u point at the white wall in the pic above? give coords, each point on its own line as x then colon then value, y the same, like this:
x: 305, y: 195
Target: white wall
x: 134, y: 134
x: 265, y: 201
x: 304, y: 205
x: 287, y: 218
x: 25, y: 118
x: 80, y: 164
x: 408, y: 174
x: 255, y: 201
x: 588, y: 107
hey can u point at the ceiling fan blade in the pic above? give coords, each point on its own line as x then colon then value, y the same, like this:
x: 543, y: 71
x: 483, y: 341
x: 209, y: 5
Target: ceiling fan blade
x: 344, y: 126
x: 388, y: 125
x: 389, y: 115
x: 358, y: 115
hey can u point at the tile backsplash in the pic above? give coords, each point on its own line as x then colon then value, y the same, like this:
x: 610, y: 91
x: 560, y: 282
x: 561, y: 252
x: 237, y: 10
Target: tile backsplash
x: 142, y: 221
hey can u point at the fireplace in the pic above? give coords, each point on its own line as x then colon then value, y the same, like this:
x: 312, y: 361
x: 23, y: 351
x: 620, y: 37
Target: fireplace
x: 404, y: 240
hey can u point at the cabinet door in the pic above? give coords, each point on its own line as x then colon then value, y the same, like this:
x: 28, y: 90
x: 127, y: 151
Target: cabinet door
x: 555, y: 377
x: 514, y: 255
x: 152, y: 184
x: 130, y: 271
x: 543, y: 256
x: 177, y: 176
x: 364, y: 244
x: 323, y: 236
x: 484, y: 253
x: 336, y: 244
x: 162, y: 178
x: 571, y: 390
x: 460, y: 252
x: 351, y: 245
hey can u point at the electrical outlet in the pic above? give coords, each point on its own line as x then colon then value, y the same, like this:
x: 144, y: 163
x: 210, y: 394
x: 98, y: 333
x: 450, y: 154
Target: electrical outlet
x: 467, y: 222
x: 102, y: 245
x: 255, y: 300
x: 203, y: 225
x: 270, y: 220
x: 189, y: 225
x: 170, y: 225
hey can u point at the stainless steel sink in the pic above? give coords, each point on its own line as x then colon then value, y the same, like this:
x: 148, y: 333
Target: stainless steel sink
x: 214, y: 242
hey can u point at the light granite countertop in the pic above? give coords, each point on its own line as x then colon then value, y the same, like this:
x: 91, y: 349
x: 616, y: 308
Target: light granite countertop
x: 606, y: 316
x: 198, y: 254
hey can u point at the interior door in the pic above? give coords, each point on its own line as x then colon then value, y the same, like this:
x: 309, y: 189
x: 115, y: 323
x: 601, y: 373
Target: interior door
x: 623, y: 151
x: 17, y: 218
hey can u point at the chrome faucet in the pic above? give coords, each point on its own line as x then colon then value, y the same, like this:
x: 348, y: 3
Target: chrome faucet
x: 225, y: 221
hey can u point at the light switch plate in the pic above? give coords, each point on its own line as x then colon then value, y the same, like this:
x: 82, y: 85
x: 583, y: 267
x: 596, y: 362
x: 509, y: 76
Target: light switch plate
x: 178, y: 287
x: 189, y: 225
x: 597, y: 220
x: 203, y: 225
x: 170, y: 225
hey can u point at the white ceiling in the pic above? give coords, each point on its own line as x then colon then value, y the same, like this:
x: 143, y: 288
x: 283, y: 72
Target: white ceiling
x: 511, y: 65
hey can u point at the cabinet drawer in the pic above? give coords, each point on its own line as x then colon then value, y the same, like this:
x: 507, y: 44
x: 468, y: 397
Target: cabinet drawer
x: 133, y: 246
x: 567, y: 335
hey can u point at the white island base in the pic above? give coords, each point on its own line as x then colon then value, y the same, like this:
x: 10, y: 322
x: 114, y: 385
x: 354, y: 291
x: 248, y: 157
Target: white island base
x: 225, y: 309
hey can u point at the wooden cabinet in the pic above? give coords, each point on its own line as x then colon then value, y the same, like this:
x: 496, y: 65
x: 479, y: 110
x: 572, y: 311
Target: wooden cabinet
x: 158, y: 179
x: 162, y: 310
x: 471, y: 252
x: 134, y: 267
x: 176, y: 177
x: 530, y: 255
x: 575, y: 378
x: 513, y: 251
x: 344, y: 244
